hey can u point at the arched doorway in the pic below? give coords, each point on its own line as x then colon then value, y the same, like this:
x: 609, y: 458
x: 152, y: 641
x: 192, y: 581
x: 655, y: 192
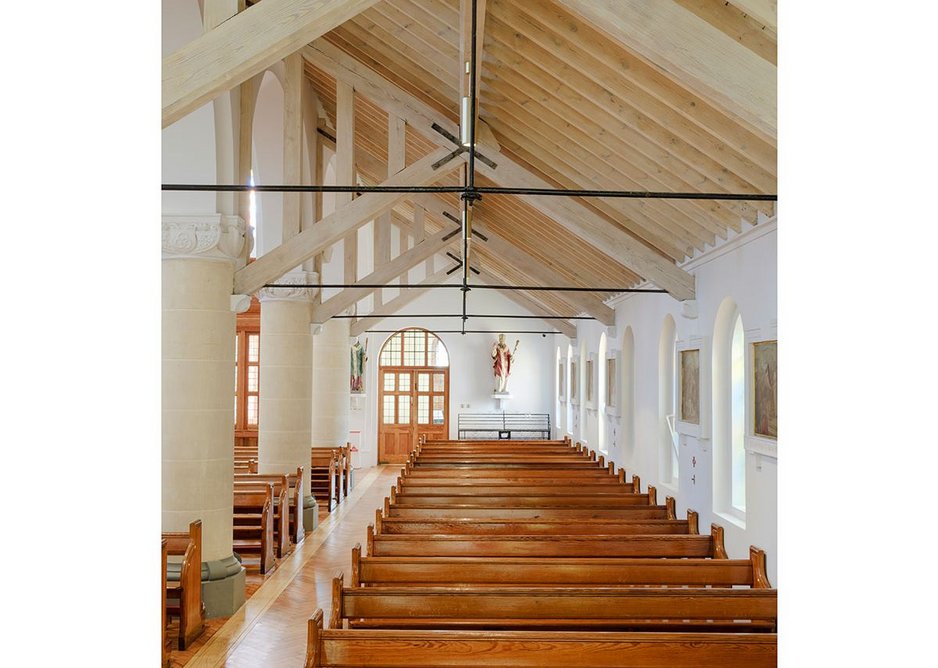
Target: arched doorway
x: 413, y: 393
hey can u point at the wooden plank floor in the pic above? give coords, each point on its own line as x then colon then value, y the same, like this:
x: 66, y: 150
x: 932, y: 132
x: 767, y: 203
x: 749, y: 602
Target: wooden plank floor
x: 270, y: 629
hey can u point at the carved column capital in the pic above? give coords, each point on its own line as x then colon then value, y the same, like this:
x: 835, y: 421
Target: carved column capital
x: 297, y: 294
x: 211, y: 236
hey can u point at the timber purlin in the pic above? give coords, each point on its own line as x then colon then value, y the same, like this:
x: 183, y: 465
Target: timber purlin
x: 540, y: 557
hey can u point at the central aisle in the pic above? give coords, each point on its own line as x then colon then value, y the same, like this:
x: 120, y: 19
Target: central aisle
x: 270, y: 629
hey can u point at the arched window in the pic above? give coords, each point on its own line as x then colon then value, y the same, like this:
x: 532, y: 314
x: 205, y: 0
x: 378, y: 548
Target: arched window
x: 560, y: 387
x: 668, y: 466
x: 601, y: 394
x: 729, y: 412
x: 572, y: 379
x: 738, y: 415
x: 413, y: 392
x: 628, y: 394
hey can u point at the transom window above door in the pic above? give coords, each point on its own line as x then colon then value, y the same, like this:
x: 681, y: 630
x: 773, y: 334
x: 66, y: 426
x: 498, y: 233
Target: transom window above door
x: 414, y: 347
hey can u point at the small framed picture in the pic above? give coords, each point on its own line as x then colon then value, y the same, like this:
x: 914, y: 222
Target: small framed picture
x: 690, y: 386
x: 765, y: 388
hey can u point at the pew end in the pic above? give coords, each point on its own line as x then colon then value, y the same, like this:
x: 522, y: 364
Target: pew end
x: 760, y: 579
x: 716, y: 534
x: 670, y: 504
x: 378, y: 521
x: 188, y: 592
x: 387, y: 507
x: 636, y: 484
x: 370, y: 541
x: 357, y: 565
x: 652, y: 495
x: 313, y: 634
x: 338, y: 582
x: 692, y: 522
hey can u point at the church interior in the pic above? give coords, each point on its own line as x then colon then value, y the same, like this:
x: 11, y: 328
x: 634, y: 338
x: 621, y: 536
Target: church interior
x: 466, y: 349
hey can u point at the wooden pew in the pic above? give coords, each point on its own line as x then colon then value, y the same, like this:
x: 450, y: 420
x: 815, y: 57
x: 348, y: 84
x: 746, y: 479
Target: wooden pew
x: 531, y: 471
x: 255, y: 535
x: 534, y: 649
x: 569, y: 513
x: 555, y: 608
x: 294, y: 493
x: 164, y: 646
x: 526, y: 527
x: 573, y: 545
x: 281, y: 508
x: 347, y: 469
x: 184, y: 596
x: 323, y: 463
x: 340, y: 471
x: 585, y: 571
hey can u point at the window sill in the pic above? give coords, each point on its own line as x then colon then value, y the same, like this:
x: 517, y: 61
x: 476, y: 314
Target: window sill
x: 732, y: 518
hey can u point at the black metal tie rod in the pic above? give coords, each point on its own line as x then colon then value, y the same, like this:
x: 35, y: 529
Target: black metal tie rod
x: 459, y: 315
x: 459, y: 286
x: 477, y: 190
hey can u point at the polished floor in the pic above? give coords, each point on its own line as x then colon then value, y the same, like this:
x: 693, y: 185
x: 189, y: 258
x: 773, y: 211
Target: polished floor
x: 270, y: 629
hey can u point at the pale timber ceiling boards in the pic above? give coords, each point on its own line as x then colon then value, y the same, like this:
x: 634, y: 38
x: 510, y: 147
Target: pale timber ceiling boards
x: 581, y: 108
x: 645, y: 95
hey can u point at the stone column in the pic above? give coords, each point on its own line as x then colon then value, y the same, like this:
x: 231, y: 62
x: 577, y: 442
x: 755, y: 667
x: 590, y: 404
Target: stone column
x: 200, y: 254
x: 286, y: 365
x: 331, y: 388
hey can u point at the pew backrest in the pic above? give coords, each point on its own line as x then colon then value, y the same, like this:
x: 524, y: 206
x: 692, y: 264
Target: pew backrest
x: 534, y: 649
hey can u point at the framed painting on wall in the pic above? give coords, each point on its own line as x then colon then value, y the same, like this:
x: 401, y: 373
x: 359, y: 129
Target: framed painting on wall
x: 590, y: 380
x: 690, y: 386
x: 612, y: 385
x: 765, y: 389
x: 561, y: 380
x: 574, y: 383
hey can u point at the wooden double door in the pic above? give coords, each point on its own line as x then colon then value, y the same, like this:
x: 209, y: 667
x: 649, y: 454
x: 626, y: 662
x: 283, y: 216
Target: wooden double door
x: 412, y: 402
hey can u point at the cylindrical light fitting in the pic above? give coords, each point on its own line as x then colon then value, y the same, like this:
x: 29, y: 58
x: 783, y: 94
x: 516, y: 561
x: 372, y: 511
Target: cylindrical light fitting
x: 465, y: 116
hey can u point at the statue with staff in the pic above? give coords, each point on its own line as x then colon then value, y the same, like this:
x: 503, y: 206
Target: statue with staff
x: 502, y: 358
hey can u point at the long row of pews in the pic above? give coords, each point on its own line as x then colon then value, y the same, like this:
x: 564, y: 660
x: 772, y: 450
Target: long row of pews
x: 330, y: 471
x: 267, y: 525
x: 331, y: 474
x: 538, y: 554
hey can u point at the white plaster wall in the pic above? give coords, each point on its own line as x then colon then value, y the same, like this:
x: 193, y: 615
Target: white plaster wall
x: 471, y: 378
x: 188, y: 145
x: 743, y: 268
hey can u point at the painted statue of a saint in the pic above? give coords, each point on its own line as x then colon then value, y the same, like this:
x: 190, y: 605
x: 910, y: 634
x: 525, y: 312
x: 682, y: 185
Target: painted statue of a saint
x: 358, y: 358
x: 502, y: 358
